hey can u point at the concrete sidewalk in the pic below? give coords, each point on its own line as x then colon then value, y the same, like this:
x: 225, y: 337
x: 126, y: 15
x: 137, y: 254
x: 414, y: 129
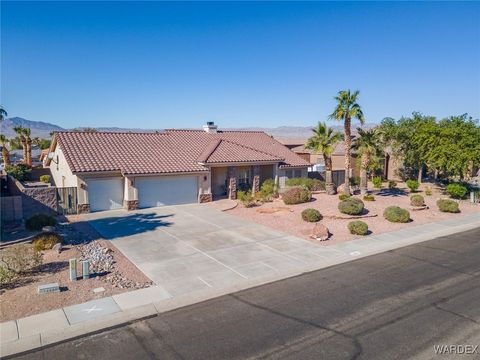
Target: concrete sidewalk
x: 97, y: 315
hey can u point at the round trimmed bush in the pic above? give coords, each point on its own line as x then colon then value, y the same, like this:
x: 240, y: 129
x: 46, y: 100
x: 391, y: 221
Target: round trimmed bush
x: 396, y: 214
x: 352, y: 206
x: 417, y: 200
x: 358, y: 227
x: 311, y: 215
x: 296, y: 195
x: 369, y: 198
x: 446, y: 205
x: 342, y: 197
x: 45, y: 179
x: 456, y: 191
x: 412, y: 185
x: 46, y: 241
x: 38, y: 221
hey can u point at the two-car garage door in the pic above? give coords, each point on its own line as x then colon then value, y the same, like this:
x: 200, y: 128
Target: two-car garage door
x: 166, y: 190
x: 107, y: 193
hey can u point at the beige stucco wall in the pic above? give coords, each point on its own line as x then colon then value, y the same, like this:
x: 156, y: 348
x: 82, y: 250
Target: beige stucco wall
x: 282, y: 175
x: 61, y: 173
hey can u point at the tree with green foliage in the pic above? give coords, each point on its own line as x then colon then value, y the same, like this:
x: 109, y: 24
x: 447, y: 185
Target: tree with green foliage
x: 347, y: 108
x: 455, y: 145
x: 367, y: 144
x: 323, y: 142
x: 409, y: 139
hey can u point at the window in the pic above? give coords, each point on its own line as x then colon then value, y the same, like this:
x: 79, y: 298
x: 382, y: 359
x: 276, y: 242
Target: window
x: 298, y: 173
x: 243, y: 178
x: 289, y: 174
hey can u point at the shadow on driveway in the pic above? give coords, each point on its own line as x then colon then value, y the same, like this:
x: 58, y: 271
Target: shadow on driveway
x: 113, y: 227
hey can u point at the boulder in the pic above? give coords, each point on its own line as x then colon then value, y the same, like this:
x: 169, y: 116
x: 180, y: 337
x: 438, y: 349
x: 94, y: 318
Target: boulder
x: 320, y: 232
x: 57, y: 247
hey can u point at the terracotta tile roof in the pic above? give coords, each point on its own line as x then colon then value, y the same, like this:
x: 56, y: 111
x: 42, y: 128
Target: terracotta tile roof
x: 224, y: 151
x: 171, y: 151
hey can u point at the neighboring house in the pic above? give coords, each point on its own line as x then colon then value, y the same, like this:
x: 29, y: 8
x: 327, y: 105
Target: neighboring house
x: 316, y: 160
x: 111, y: 170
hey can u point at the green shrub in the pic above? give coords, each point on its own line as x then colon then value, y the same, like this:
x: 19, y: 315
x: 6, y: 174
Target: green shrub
x: 38, y: 221
x: 392, y: 184
x: 456, y: 191
x: 377, y: 182
x: 296, y: 195
x: 355, y: 181
x: 6, y: 275
x: 246, y: 198
x: 18, y: 259
x: 45, y: 179
x: 342, y: 197
x: 311, y: 215
x: 268, y: 191
x: 446, y: 205
x: 20, y: 171
x: 46, y: 241
x: 369, y: 198
x: 396, y: 214
x: 412, y: 185
x: 310, y: 184
x: 417, y: 200
x: 352, y: 206
x: 358, y: 227
x: 428, y: 191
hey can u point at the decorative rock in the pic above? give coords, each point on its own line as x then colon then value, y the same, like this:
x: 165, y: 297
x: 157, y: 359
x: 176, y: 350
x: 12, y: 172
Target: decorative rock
x: 98, y: 290
x: 320, y: 232
x: 48, y: 229
x: 57, y: 247
x: 418, y: 208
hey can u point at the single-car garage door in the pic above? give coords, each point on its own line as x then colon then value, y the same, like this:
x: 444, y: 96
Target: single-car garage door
x: 166, y: 190
x: 105, y: 194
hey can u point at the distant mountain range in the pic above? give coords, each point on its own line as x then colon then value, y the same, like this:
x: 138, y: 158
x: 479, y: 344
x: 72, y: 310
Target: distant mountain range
x: 43, y: 129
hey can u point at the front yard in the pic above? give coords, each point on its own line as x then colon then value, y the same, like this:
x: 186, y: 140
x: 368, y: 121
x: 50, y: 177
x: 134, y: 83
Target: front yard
x: 287, y: 218
x: 19, y: 297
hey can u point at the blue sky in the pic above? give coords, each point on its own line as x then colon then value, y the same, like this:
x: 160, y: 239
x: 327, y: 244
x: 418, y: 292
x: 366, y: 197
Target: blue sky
x: 157, y: 64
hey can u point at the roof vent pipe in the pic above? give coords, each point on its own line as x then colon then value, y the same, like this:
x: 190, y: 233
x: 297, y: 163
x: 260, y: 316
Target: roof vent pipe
x: 210, y: 127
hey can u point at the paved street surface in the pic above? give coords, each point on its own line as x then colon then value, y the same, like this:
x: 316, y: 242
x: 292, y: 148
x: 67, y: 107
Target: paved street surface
x: 395, y: 305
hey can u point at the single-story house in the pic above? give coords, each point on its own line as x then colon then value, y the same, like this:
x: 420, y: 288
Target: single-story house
x: 111, y: 170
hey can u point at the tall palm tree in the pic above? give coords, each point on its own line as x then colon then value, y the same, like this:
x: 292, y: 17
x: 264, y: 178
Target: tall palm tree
x: 3, y: 113
x: 27, y: 133
x: 347, y: 109
x: 5, y: 152
x: 323, y: 142
x: 23, y: 140
x: 367, y: 143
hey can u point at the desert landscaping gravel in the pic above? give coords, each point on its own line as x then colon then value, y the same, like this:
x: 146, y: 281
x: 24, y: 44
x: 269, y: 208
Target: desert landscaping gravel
x: 288, y: 217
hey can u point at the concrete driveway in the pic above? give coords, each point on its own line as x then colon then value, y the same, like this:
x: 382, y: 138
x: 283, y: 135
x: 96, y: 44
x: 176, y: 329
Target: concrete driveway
x: 188, y: 248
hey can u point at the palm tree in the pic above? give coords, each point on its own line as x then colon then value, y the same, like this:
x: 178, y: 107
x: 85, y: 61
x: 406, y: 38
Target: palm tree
x: 347, y: 109
x: 3, y: 113
x: 23, y: 141
x: 5, y: 152
x: 323, y: 141
x: 27, y: 133
x: 367, y: 143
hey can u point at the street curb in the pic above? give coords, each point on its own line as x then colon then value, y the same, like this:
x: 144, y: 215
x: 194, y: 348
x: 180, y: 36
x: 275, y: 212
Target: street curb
x: 129, y: 315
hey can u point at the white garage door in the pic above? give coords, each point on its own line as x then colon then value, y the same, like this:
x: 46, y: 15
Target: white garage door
x: 166, y: 190
x: 105, y: 194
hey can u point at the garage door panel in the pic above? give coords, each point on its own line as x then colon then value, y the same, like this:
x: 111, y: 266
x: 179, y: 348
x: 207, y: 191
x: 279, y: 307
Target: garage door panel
x: 105, y: 194
x: 160, y: 191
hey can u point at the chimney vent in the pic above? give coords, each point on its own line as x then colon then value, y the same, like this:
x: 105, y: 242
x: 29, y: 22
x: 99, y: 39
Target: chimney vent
x: 210, y: 127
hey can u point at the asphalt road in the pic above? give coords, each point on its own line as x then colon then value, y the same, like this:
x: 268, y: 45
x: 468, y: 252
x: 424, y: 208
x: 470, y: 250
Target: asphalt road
x: 396, y: 305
